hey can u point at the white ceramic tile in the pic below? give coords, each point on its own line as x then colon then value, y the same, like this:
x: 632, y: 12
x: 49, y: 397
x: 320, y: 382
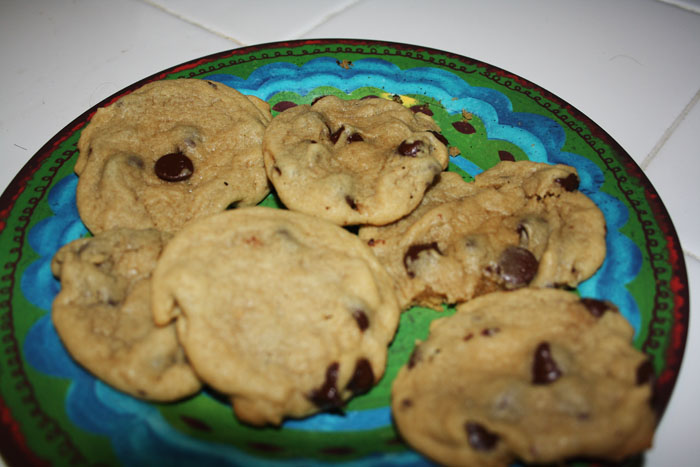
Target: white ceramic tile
x: 676, y: 442
x: 630, y: 65
x: 675, y: 171
x: 61, y: 57
x: 251, y: 21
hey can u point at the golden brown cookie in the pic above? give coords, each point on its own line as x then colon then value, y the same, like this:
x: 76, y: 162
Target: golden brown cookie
x: 534, y: 374
x: 517, y: 224
x: 103, y: 315
x: 285, y: 313
x: 169, y: 152
x: 366, y: 161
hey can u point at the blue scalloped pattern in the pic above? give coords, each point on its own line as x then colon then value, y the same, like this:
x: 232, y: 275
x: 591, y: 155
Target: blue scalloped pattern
x: 138, y: 432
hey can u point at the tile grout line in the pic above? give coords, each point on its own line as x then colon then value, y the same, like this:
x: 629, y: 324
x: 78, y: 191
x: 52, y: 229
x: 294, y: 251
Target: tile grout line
x: 328, y: 16
x: 153, y: 4
x: 669, y: 131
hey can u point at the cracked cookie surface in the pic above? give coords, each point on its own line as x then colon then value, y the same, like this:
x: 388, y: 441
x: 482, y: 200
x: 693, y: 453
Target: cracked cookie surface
x: 169, y: 152
x: 285, y: 313
x: 366, y: 161
x: 534, y: 374
x: 517, y: 224
x: 103, y: 315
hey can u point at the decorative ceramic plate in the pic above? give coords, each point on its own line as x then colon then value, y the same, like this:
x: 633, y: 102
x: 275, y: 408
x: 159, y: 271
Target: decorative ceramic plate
x: 54, y: 412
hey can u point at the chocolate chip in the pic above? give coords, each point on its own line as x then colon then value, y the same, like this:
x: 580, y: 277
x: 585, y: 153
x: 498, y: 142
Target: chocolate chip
x: 517, y: 266
x: 468, y: 337
x: 645, y: 373
x: 351, y: 202
x: 439, y: 137
x: 479, y: 437
x: 410, y: 149
x: 406, y: 403
x: 361, y: 318
x: 488, y: 332
x: 362, y: 378
x: 506, y: 156
x: 335, y: 136
x: 544, y: 368
x: 174, y: 167
x: 570, y: 183
x: 355, y: 137
x: 597, y: 307
x: 328, y: 396
x: 414, y: 251
x: 464, y: 127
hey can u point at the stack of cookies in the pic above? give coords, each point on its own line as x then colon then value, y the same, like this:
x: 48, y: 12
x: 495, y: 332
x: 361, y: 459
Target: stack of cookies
x: 187, y: 282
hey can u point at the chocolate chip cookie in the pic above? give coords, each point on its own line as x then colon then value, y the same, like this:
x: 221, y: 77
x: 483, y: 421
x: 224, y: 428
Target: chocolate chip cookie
x: 169, y: 152
x: 285, y: 313
x: 366, y: 161
x: 103, y: 315
x: 535, y: 374
x: 517, y: 224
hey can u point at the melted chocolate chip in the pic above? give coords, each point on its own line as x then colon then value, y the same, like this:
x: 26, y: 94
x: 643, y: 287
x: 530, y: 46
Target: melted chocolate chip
x: 328, y: 396
x: 355, y: 138
x: 479, y: 437
x: 351, y: 202
x: 597, y: 307
x: 488, y: 332
x: 464, y: 127
x: 413, y: 252
x: 506, y: 156
x: 335, y: 136
x: 410, y: 149
x: 439, y: 137
x: 361, y: 318
x: 362, y: 378
x: 174, y: 167
x: 570, y: 183
x: 645, y: 373
x: 544, y: 368
x: 517, y: 266
x: 282, y: 106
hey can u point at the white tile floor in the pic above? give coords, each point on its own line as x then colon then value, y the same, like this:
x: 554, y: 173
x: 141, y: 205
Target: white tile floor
x: 633, y: 66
